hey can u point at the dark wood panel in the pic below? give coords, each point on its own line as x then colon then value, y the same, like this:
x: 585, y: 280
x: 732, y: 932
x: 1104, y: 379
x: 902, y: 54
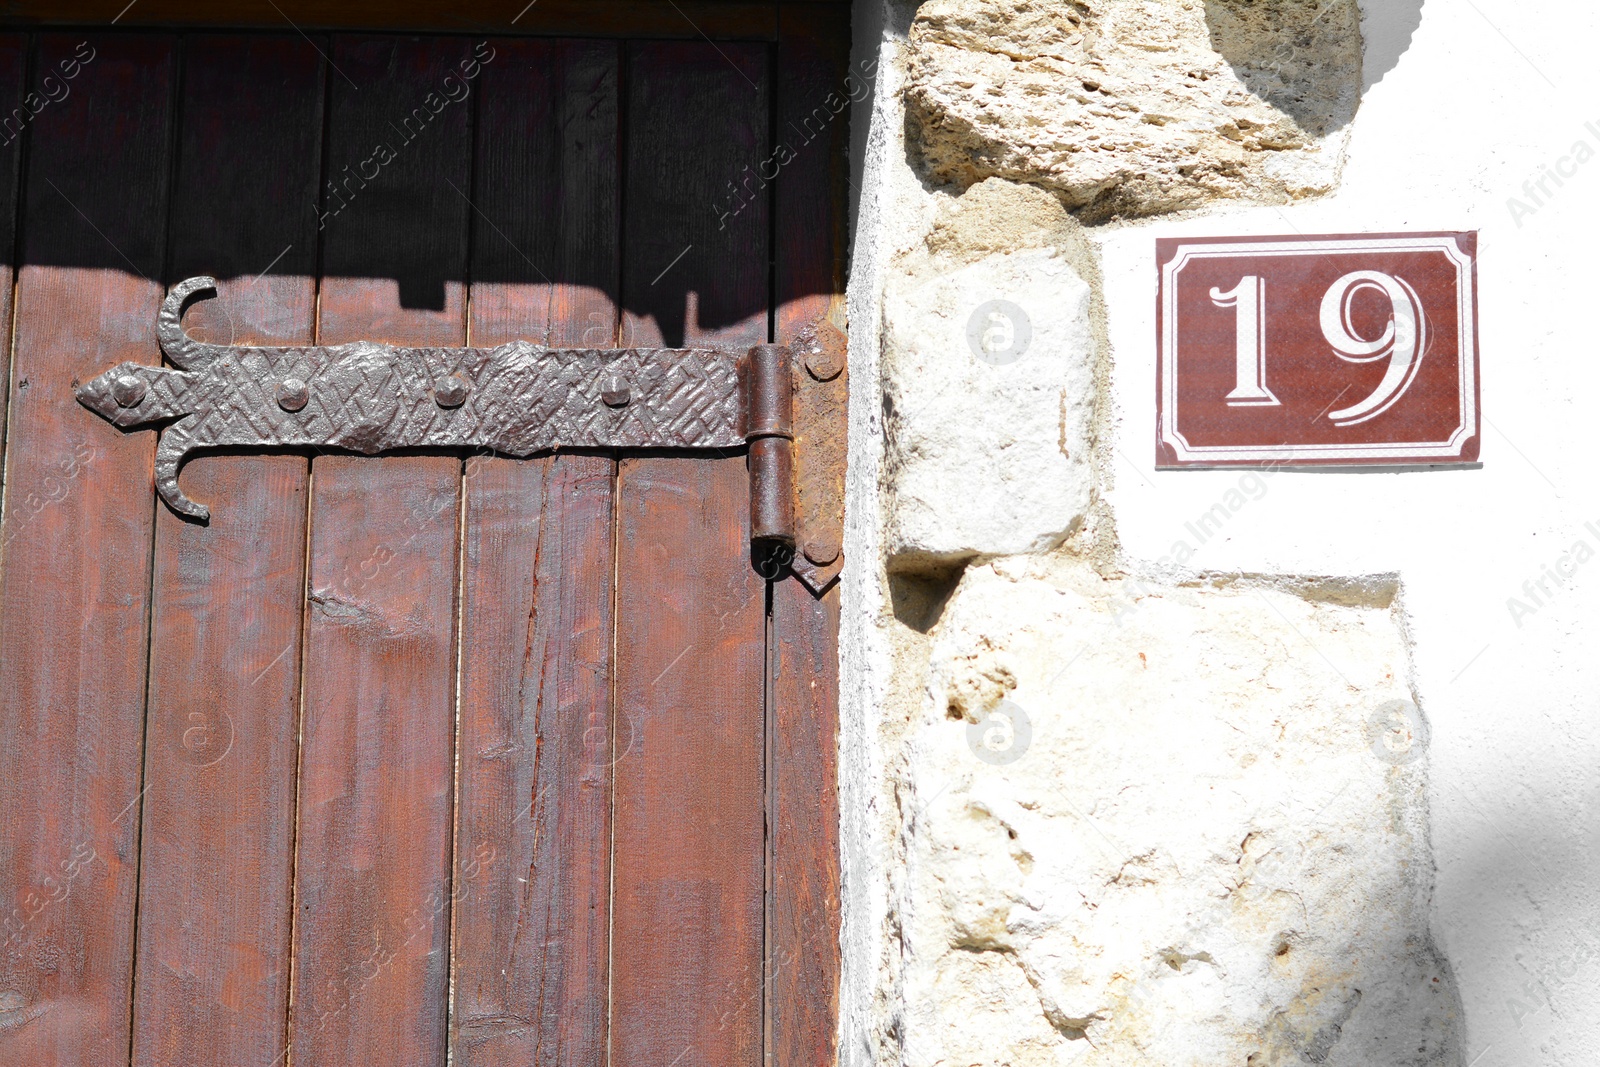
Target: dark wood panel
x: 622, y: 18
x: 534, y: 813
x: 548, y: 200
x: 697, y: 126
x: 395, y: 205
x: 76, y: 542
x: 814, y: 86
x: 212, y: 983
x: 814, y: 95
x: 373, y: 892
x: 688, y: 853
x: 13, y: 119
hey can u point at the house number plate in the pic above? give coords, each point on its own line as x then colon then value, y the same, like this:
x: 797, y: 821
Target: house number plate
x: 1317, y: 351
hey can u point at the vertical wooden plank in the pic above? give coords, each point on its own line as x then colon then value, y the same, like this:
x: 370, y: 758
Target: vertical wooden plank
x: 688, y: 849
x: 372, y: 905
x: 75, y: 550
x: 533, y: 859
x: 814, y: 89
x: 546, y: 228
x: 534, y: 808
x: 696, y: 206
x: 803, y: 911
x: 399, y: 161
x: 373, y: 848
x: 212, y: 978
x: 689, y: 870
x: 13, y: 69
x: 803, y: 908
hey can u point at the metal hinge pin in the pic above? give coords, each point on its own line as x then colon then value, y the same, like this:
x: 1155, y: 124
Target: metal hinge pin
x: 769, y: 429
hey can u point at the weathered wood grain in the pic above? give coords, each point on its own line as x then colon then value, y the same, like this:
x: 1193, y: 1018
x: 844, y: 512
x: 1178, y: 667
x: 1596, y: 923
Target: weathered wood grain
x: 75, y: 548
x: 533, y: 855
x: 803, y: 710
x: 803, y: 817
x: 534, y: 795
x: 373, y: 889
x: 217, y: 848
x: 372, y: 895
x: 689, y: 852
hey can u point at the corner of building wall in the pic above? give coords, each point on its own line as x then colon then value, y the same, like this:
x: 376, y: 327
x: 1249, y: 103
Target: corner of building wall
x: 892, y: 611
x: 863, y: 798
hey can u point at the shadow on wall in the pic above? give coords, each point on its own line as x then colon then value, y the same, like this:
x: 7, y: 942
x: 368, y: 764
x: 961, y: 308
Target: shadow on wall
x: 1292, y: 55
x: 1387, y: 26
x: 1282, y: 51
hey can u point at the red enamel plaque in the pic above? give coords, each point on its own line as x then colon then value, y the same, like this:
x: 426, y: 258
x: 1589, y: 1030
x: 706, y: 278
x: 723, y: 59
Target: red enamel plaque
x: 1317, y: 351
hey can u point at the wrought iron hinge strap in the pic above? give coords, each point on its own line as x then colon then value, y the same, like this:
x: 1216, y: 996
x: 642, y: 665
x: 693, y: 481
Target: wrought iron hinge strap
x: 515, y: 399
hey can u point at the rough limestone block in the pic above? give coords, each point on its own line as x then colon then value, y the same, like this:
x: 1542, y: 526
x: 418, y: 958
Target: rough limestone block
x: 1136, y: 107
x: 1191, y: 846
x: 984, y: 456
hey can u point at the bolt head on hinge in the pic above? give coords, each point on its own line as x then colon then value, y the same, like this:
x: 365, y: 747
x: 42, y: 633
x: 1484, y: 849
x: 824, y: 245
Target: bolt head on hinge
x: 822, y: 552
x: 128, y: 390
x: 616, y: 393
x: 451, y: 392
x: 292, y: 394
x: 824, y: 365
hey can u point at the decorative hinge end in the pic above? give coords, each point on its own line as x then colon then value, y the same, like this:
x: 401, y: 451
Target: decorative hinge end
x: 184, y: 351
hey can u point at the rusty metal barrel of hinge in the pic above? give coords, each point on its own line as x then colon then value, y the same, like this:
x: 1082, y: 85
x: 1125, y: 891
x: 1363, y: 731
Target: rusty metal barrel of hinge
x: 769, y: 430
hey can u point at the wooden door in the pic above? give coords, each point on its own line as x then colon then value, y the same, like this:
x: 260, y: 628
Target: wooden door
x: 410, y: 758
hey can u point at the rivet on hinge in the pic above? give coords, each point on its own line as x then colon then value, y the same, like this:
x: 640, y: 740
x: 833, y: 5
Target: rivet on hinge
x: 128, y: 391
x: 451, y: 392
x: 292, y: 394
x: 824, y: 365
x: 822, y: 553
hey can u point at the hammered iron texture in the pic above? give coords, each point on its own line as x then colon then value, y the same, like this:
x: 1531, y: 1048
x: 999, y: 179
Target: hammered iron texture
x: 365, y: 397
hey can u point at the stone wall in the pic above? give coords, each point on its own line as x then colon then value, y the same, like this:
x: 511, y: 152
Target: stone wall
x: 1101, y: 809
x: 1135, y: 107
x: 1152, y: 824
